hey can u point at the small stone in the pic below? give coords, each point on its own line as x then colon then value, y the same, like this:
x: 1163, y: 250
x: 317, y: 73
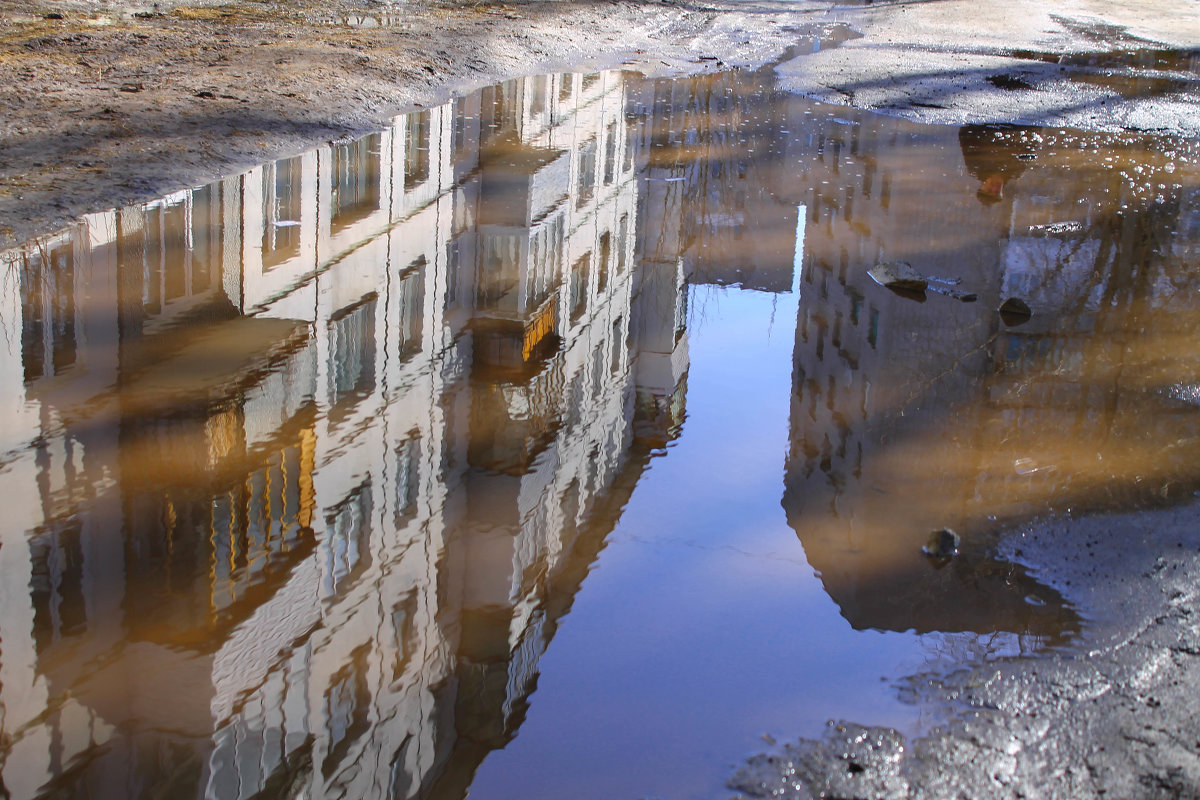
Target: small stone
x: 898, y: 276
x: 1014, y: 311
x: 942, y: 543
x: 130, y: 87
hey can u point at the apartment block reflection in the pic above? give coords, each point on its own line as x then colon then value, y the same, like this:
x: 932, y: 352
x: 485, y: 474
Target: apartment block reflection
x: 895, y: 398
x: 876, y: 374
x: 321, y: 453
x: 715, y: 148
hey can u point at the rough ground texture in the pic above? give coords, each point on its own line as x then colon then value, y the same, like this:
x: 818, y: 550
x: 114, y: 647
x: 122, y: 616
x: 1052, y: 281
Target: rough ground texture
x: 109, y: 102
x: 115, y: 104
x: 1116, y: 716
x: 1080, y: 63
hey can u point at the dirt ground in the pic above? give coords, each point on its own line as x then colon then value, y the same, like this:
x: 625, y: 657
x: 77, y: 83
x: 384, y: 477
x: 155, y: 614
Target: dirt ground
x: 107, y: 107
x: 1127, y: 66
x: 109, y: 103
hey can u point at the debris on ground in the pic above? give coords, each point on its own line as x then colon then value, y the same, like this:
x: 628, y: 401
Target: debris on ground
x: 1056, y: 228
x: 956, y: 294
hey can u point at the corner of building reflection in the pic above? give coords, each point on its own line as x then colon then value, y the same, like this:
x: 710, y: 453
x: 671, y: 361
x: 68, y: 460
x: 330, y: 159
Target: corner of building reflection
x: 322, y: 452
x: 911, y: 416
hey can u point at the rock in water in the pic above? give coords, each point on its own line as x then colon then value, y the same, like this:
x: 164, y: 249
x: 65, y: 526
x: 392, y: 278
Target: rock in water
x: 942, y: 544
x: 957, y: 294
x: 898, y: 275
x: 1014, y: 311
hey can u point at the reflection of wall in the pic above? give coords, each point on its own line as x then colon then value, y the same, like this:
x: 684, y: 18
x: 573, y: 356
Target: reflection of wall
x: 315, y: 447
x: 1117, y: 273
x: 894, y: 398
x: 884, y: 385
x: 861, y: 352
x: 713, y: 146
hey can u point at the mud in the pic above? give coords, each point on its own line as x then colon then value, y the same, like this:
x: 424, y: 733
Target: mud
x: 1112, y: 716
x: 116, y: 103
x: 111, y: 105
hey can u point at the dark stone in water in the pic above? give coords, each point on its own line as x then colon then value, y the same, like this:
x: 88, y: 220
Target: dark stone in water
x: 898, y: 276
x: 942, y: 544
x: 1014, y: 311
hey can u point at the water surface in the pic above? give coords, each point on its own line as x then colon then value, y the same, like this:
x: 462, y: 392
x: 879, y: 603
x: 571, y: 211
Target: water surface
x: 554, y: 442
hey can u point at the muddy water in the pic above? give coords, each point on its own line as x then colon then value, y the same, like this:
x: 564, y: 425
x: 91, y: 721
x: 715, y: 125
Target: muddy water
x: 555, y: 442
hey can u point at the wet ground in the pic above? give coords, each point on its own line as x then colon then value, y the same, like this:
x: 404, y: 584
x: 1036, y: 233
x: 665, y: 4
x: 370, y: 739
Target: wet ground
x: 555, y: 441
x: 114, y: 102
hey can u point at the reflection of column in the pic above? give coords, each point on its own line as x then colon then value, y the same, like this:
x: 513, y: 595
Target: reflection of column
x: 280, y: 237
x: 18, y: 413
x: 660, y: 317
x: 56, y: 559
x: 551, y: 399
x: 23, y: 693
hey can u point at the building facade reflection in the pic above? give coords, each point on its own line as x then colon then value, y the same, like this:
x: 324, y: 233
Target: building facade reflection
x: 321, y: 453
x: 914, y: 414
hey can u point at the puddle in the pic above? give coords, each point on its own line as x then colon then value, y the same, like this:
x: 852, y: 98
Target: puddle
x: 366, y: 20
x: 579, y: 385
x: 1174, y: 60
x: 1134, y: 72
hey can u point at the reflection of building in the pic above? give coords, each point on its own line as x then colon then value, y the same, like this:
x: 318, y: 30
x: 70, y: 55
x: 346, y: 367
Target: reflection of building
x: 321, y: 452
x: 884, y: 386
x: 713, y: 213
x: 713, y: 156
x: 864, y: 361
x: 896, y: 399
x: 319, y: 455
